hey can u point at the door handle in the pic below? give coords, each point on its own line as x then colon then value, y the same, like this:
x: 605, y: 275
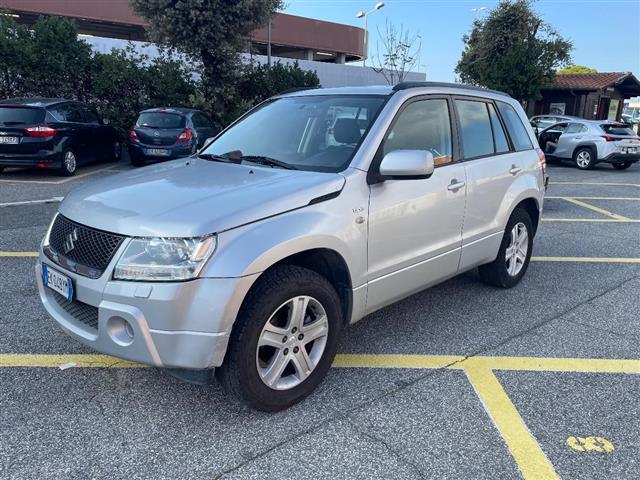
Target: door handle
x: 514, y: 170
x: 455, y: 185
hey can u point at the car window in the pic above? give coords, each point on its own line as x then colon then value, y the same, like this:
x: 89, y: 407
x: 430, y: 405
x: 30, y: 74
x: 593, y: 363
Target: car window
x: 160, y: 120
x: 197, y: 120
x: 499, y: 137
x: 67, y: 113
x: 575, y: 128
x: 10, y: 116
x: 515, y: 127
x: 616, y: 129
x: 475, y: 125
x: 423, y: 125
x: 90, y: 116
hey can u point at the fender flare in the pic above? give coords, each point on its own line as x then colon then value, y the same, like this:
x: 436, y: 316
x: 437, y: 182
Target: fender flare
x: 591, y: 145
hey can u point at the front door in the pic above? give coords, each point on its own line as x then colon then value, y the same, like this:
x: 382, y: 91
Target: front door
x: 415, y: 226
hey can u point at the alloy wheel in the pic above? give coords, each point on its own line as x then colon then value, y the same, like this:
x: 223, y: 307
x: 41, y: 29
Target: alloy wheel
x: 70, y: 162
x: 583, y: 159
x: 516, y: 253
x: 292, y: 343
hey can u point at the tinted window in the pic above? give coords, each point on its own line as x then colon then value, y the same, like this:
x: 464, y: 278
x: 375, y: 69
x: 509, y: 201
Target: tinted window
x: 20, y: 116
x: 90, y: 116
x: 613, y: 129
x: 67, y: 113
x: 575, y: 128
x: 423, y: 125
x: 161, y: 120
x: 516, y: 129
x: 477, y: 137
x: 499, y: 137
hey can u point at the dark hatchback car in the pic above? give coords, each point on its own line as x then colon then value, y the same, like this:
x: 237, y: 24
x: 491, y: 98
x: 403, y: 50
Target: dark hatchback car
x: 166, y: 133
x: 54, y: 133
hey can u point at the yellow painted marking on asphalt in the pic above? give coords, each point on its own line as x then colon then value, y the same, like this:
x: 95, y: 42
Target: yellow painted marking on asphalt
x: 52, y: 361
x: 568, y: 365
x: 586, y: 259
x: 395, y: 361
x: 57, y: 182
x: 590, y: 444
x: 599, y: 210
x: 606, y: 184
x: 18, y: 254
x: 560, y: 197
x: 595, y: 220
x: 524, y: 448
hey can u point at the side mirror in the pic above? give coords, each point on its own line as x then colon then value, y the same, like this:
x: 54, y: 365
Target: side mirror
x: 407, y: 164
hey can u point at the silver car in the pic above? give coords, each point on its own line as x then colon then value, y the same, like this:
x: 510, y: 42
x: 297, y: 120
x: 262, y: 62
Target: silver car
x: 588, y: 142
x: 308, y: 213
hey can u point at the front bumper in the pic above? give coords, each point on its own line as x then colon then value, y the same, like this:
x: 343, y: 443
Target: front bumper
x: 177, y: 325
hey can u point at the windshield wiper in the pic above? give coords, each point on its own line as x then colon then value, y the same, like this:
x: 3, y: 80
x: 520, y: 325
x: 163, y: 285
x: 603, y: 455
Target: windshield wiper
x: 217, y: 158
x: 272, y: 162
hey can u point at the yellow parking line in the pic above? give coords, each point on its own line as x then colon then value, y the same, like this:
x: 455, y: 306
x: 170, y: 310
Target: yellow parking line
x: 524, y: 448
x: 595, y: 209
x: 18, y: 254
x: 595, y: 220
x: 395, y: 361
x: 52, y: 361
x: 57, y: 182
x: 560, y: 197
x: 597, y: 183
x: 570, y: 365
x: 586, y: 259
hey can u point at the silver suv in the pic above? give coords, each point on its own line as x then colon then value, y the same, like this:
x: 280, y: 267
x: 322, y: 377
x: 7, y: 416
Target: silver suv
x: 308, y: 213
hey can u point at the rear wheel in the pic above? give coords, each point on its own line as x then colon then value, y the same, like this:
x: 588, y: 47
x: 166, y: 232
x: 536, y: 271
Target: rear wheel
x: 622, y: 166
x: 116, y: 151
x: 514, y: 255
x: 69, y: 163
x: 284, y: 340
x: 584, y: 158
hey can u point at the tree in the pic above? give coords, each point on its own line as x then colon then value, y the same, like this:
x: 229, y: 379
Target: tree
x: 576, y: 69
x: 512, y: 50
x: 212, y: 32
x: 399, y: 53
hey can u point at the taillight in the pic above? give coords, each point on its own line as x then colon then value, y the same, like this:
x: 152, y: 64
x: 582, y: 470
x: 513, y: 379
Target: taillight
x: 40, y: 131
x: 133, y: 135
x: 609, y: 138
x: 543, y: 162
x: 186, y: 135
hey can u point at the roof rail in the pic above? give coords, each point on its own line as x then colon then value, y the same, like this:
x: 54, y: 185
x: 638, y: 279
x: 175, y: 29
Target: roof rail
x: 296, y: 89
x: 406, y: 85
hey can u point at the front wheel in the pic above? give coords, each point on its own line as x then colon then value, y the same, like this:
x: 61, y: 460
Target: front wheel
x: 69, y: 163
x: 284, y: 340
x: 622, y: 166
x: 512, y: 262
x: 584, y: 158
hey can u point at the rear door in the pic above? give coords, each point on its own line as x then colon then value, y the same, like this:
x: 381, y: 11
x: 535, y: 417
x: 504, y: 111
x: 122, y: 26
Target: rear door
x: 572, y: 135
x: 497, y: 150
x: 70, y: 121
x: 101, y: 138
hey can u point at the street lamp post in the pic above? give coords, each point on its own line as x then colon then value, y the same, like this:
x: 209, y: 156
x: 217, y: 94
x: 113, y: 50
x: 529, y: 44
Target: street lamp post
x: 364, y: 15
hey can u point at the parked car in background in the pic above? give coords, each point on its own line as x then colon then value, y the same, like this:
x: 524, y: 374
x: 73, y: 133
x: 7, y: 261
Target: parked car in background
x: 167, y: 133
x: 54, y: 133
x: 588, y: 142
x: 308, y: 213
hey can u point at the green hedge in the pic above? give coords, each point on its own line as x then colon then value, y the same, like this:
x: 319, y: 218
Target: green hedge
x: 49, y: 60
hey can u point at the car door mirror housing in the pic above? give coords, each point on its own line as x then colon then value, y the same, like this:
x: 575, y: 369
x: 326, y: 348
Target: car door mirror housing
x: 407, y: 165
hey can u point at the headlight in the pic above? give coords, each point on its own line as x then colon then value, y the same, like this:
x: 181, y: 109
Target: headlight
x: 164, y: 259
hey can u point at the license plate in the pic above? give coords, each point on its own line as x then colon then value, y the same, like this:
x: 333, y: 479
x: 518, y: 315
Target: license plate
x: 57, y: 282
x: 630, y: 150
x: 157, y: 151
x: 9, y: 140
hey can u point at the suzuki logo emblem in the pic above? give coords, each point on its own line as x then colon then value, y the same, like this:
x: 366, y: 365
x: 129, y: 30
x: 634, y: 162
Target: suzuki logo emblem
x: 69, y: 239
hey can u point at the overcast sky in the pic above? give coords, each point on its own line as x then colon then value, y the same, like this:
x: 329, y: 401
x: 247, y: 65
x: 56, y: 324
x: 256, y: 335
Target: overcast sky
x: 605, y: 33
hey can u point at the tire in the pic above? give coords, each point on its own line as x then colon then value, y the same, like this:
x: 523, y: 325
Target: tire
x: 498, y: 273
x: 69, y: 165
x: 622, y: 166
x: 245, y: 372
x: 584, y: 158
x: 116, y: 152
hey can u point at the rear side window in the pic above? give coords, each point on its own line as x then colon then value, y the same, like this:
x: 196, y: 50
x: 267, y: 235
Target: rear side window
x: 499, y: 137
x: 477, y: 134
x: 423, y: 125
x: 616, y: 129
x: 575, y: 128
x: 67, y: 113
x: 515, y: 127
x: 90, y: 116
x: 20, y: 116
x: 160, y: 120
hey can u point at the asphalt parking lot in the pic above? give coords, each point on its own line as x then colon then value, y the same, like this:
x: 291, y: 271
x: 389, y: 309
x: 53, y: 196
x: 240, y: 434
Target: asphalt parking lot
x: 462, y: 381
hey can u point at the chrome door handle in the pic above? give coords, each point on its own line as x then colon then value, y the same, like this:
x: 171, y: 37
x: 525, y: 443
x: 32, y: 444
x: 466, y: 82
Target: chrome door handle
x: 514, y: 170
x: 455, y: 185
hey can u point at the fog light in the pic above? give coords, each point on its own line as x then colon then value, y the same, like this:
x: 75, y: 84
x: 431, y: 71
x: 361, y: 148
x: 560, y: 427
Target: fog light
x: 120, y: 331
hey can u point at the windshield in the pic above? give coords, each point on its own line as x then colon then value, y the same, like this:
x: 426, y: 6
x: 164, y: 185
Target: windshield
x: 616, y: 129
x: 20, y: 116
x: 160, y: 120
x: 318, y: 132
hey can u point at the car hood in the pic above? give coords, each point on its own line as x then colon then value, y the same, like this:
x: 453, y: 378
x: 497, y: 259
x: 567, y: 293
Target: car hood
x: 193, y: 197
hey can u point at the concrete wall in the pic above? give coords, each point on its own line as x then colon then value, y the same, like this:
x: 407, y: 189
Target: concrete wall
x: 330, y: 74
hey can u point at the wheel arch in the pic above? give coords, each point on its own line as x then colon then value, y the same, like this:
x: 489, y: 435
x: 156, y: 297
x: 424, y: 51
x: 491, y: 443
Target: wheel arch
x: 590, y: 145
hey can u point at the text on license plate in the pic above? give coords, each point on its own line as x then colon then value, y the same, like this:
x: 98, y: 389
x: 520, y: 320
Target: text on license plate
x: 630, y: 150
x: 9, y: 140
x: 157, y: 151
x: 57, y: 282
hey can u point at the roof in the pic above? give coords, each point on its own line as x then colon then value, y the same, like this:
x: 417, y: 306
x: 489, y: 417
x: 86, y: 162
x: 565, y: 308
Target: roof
x: 593, y: 81
x: 170, y: 110
x: 33, y: 101
x: 388, y: 89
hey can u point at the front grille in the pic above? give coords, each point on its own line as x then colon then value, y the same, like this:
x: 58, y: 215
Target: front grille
x: 83, y: 245
x: 82, y: 312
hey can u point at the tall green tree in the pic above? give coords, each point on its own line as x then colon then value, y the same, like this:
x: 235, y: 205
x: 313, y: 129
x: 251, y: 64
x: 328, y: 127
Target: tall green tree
x: 213, y: 32
x: 576, y: 69
x: 513, y: 50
